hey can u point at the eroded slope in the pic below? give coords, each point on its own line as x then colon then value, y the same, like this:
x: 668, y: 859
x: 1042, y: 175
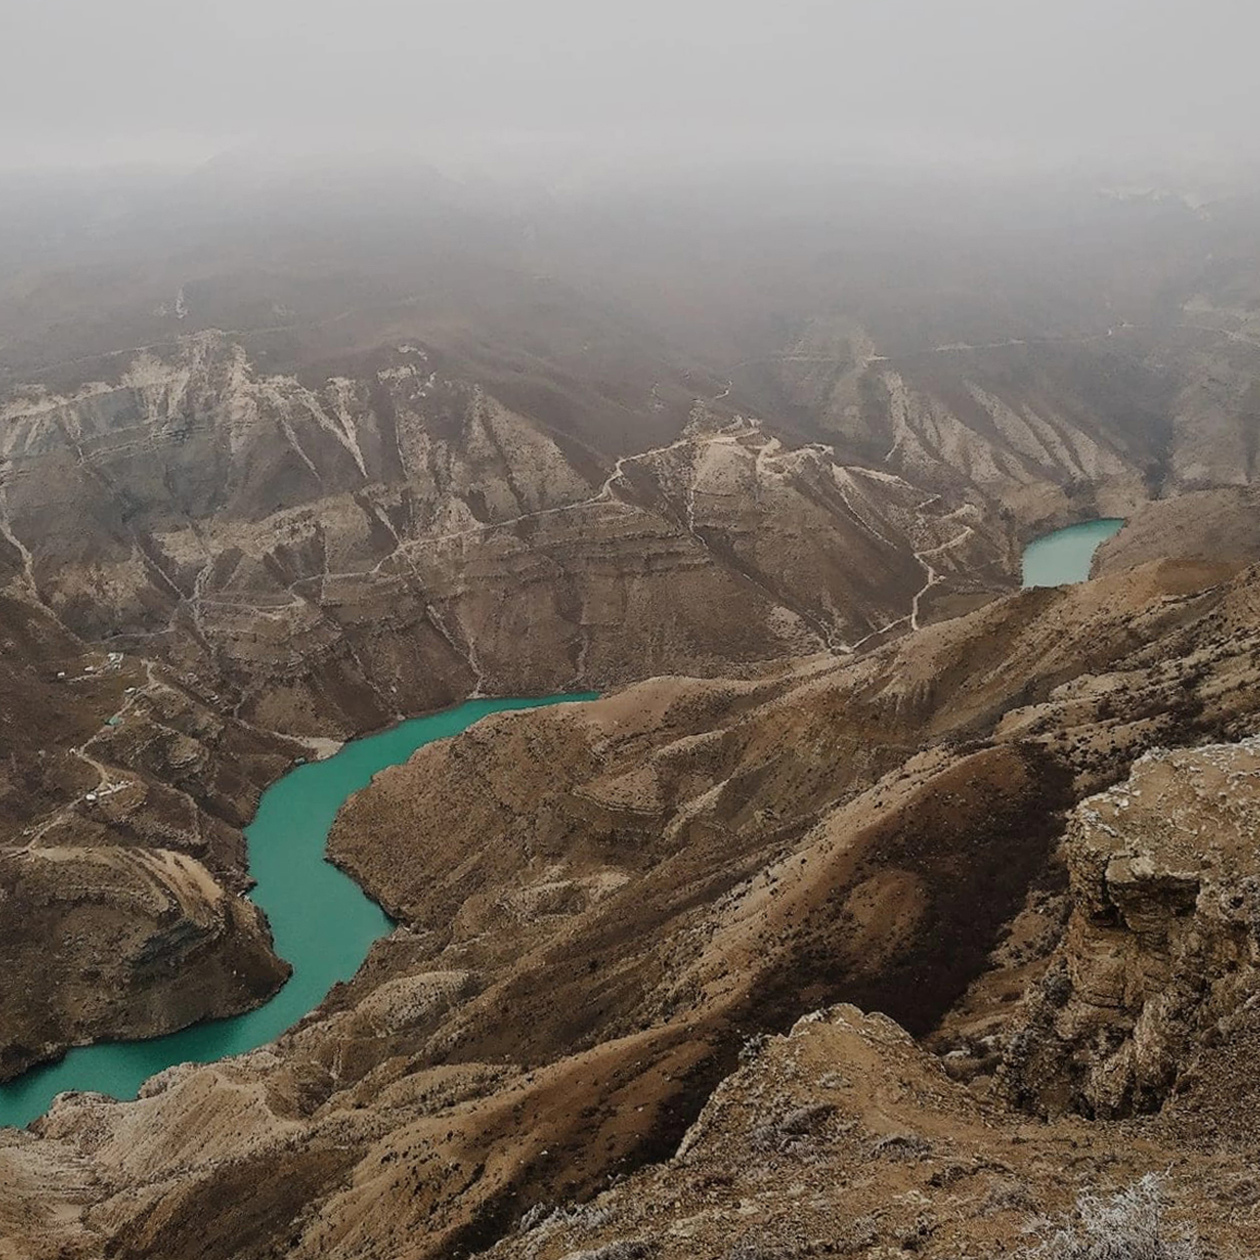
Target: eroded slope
x: 600, y: 904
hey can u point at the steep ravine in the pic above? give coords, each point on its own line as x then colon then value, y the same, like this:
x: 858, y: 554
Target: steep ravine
x: 206, y: 555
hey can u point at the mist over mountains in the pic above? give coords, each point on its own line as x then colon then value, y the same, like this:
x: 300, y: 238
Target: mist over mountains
x: 978, y: 80
x: 716, y: 365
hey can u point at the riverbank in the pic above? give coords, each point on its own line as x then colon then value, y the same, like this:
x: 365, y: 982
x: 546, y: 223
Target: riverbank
x: 321, y: 921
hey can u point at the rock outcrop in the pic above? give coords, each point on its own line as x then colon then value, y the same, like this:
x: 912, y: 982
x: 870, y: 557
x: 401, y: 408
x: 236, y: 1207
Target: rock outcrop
x: 143, y: 941
x: 844, y: 1137
x: 1162, y: 947
x: 122, y: 863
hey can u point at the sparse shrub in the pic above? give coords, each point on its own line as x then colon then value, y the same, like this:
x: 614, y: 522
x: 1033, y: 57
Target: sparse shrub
x: 1056, y: 986
x: 584, y: 1215
x: 622, y: 1249
x: 901, y: 1147
x: 534, y: 1217
x: 1007, y: 1194
x: 791, y: 1132
x: 750, y: 1249
x: 1130, y: 1225
x: 752, y: 1047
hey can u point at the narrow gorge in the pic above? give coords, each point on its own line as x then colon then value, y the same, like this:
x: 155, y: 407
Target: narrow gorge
x: 777, y: 700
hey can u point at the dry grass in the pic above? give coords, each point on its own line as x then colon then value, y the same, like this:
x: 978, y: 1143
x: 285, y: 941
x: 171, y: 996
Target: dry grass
x: 1130, y: 1225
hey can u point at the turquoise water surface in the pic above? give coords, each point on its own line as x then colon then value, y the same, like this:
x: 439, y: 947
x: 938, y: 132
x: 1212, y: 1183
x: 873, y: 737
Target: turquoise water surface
x: 321, y: 920
x: 1066, y: 555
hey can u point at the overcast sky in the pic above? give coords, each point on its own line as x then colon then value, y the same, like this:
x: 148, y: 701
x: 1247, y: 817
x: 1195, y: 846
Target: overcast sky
x: 102, y: 80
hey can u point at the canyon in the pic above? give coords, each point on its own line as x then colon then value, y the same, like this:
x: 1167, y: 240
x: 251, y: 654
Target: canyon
x: 867, y: 862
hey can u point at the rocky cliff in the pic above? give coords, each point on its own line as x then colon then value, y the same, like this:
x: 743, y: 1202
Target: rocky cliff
x: 121, y: 856
x: 1159, y: 955
x: 843, y: 1137
x: 329, y: 557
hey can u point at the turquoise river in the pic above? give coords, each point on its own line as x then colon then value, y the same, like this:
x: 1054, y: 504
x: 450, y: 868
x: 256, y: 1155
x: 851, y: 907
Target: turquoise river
x: 321, y: 920
x: 1066, y: 555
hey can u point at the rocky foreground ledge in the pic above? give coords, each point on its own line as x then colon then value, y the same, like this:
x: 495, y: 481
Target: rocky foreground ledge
x: 846, y: 1137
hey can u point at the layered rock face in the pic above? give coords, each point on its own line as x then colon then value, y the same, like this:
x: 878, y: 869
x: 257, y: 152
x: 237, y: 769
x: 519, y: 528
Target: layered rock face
x: 1043, y: 431
x: 328, y: 558
x: 121, y: 856
x: 132, y: 928
x: 1048, y: 426
x: 1161, y: 950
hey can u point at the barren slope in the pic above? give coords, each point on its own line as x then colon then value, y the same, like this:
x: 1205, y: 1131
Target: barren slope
x: 599, y: 904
